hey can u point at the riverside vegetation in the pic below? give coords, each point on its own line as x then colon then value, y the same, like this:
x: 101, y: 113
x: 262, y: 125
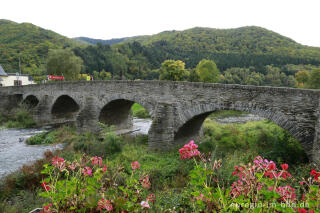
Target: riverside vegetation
x: 223, y: 173
x: 17, y: 118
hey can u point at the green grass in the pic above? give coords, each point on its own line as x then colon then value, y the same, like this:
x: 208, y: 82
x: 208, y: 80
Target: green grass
x: 61, y: 135
x: 139, y: 111
x: 262, y: 137
x: 19, y: 118
x: 234, y: 143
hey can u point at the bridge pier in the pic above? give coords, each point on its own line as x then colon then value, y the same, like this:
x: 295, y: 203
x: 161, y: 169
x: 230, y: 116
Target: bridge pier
x: 161, y: 133
x: 41, y: 113
x: 87, y: 119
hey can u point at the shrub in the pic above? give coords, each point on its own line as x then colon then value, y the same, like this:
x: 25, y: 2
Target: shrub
x: 90, y: 145
x: 139, y: 111
x: 20, y: 118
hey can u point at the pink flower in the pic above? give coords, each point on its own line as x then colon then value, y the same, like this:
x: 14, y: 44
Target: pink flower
x: 145, y: 204
x: 96, y: 161
x: 284, y: 166
x: 58, y: 162
x: 87, y: 171
x: 45, y: 186
x: 189, y: 150
x: 146, y: 183
x: 272, y: 166
x: 135, y: 165
x: 104, y: 204
x: 302, y: 210
x: 72, y: 167
x: 104, y: 169
x: 287, y: 193
x: 315, y: 174
x: 151, y: 198
x: 46, y: 208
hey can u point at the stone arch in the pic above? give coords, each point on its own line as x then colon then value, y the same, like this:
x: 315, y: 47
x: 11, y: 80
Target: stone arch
x: 31, y: 101
x: 116, y: 111
x: 64, y: 107
x: 190, y: 123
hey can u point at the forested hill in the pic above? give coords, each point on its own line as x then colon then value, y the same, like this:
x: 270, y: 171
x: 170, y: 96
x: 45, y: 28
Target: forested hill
x: 239, y: 47
x: 31, y: 43
x: 101, y: 41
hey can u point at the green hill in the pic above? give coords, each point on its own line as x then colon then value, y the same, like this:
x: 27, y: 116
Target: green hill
x: 31, y: 43
x: 240, y: 47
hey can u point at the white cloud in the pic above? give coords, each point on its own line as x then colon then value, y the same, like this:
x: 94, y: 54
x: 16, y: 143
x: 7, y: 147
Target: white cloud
x: 119, y: 18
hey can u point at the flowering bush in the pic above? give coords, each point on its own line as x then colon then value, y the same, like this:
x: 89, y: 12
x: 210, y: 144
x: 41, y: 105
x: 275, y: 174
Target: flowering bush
x: 260, y: 186
x: 87, y: 185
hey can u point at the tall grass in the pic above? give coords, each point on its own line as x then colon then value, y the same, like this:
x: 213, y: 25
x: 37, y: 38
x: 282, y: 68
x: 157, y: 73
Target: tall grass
x: 18, y: 118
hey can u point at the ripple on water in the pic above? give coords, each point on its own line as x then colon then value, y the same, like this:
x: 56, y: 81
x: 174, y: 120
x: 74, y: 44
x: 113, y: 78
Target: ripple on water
x: 14, y: 154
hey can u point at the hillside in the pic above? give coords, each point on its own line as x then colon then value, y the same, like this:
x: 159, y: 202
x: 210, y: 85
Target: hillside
x: 101, y: 41
x: 242, y: 47
x: 29, y: 42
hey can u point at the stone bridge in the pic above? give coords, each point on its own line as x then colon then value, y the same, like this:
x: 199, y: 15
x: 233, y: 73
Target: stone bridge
x: 178, y: 109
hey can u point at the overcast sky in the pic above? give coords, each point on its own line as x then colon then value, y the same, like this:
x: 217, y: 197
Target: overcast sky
x: 106, y: 19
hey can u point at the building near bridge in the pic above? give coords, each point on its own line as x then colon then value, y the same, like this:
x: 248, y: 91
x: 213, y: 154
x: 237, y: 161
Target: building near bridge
x: 14, y: 79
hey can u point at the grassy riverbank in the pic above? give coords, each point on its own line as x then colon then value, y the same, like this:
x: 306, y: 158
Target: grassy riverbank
x: 235, y: 144
x: 18, y: 118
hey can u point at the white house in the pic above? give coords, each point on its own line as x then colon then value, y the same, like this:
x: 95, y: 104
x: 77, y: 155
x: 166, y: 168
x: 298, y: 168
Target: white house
x: 14, y: 79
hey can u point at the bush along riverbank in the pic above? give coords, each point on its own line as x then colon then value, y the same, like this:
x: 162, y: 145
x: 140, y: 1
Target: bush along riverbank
x: 233, y: 168
x: 139, y: 111
x: 18, y: 118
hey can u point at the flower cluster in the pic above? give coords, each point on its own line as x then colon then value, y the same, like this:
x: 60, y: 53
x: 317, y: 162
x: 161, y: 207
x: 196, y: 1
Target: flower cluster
x: 189, y: 150
x: 135, y: 165
x: 145, y: 182
x: 105, y: 204
x: 96, y: 161
x: 46, y: 209
x: 249, y: 180
x: 315, y: 174
x: 86, y: 171
x: 287, y: 193
x: 59, y: 163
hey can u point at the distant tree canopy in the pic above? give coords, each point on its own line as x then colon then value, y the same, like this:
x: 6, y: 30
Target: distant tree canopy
x: 314, y: 81
x: 302, y: 77
x: 208, y: 71
x: 64, y: 62
x: 246, y: 55
x: 173, y: 70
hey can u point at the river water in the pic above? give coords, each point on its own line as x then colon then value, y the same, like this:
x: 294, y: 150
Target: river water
x: 14, y: 152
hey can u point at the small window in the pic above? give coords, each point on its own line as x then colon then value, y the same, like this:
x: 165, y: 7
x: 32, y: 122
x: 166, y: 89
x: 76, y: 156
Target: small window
x: 17, y: 83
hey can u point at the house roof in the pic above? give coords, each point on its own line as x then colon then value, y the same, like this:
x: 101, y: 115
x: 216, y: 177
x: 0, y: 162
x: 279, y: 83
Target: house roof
x: 2, y: 72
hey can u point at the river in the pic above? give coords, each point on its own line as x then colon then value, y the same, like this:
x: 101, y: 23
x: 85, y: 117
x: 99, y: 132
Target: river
x: 14, y: 153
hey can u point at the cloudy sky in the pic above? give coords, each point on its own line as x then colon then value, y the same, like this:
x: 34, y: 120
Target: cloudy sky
x: 106, y: 19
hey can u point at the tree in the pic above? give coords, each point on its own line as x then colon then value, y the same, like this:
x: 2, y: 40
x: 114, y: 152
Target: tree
x: 193, y: 77
x: 103, y: 75
x: 64, y: 62
x: 302, y: 77
x: 173, y: 70
x: 208, y: 71
x: 314, y: 80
